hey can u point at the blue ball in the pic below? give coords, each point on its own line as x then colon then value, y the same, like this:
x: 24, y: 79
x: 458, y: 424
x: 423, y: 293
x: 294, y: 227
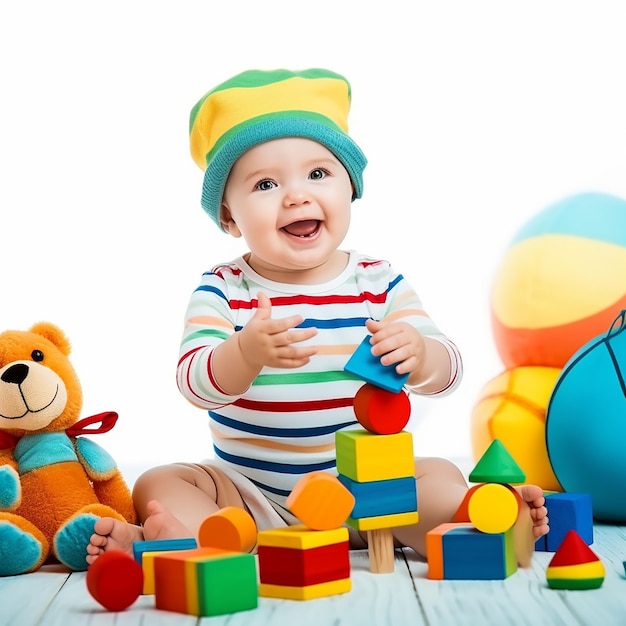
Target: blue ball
x: 586, y: 423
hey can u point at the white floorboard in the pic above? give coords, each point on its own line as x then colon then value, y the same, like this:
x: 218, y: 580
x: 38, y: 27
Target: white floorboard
x: 52, y: 597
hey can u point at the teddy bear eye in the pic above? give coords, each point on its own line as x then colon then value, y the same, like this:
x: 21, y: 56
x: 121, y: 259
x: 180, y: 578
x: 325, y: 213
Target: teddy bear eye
x: 37, y: 355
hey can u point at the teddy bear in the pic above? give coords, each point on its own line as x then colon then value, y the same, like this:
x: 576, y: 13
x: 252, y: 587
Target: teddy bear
x: 54, y: 483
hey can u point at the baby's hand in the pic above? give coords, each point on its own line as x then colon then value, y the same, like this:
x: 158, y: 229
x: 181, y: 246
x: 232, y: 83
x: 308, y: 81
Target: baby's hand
x: 268, y: 342
x: 397, y: 343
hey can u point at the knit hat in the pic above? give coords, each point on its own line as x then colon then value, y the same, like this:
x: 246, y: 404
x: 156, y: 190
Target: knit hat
x: 257, y: 106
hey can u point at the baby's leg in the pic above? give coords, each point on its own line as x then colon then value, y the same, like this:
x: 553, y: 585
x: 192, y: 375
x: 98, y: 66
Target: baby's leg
x: 191, y: 492
x: 171, y: 501
x: 441, y: 488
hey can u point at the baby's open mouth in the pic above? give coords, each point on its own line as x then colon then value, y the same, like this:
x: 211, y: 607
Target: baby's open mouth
x: 303, y: 228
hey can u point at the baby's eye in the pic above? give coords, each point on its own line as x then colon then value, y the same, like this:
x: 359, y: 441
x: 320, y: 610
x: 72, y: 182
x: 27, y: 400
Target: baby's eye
x: 265, y: 185
x: 318, y: 174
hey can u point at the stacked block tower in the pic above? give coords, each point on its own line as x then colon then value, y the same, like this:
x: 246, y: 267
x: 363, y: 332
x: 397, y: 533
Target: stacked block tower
x: 312, y: 559
x: 479, y: 544
x: 376, y: 463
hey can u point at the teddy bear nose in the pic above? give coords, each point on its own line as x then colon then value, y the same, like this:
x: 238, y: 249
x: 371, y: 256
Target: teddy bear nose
x: 16, y: 374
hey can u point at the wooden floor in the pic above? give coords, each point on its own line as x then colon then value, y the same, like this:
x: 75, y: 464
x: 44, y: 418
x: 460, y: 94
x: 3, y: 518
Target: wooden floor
x: 54, y: 597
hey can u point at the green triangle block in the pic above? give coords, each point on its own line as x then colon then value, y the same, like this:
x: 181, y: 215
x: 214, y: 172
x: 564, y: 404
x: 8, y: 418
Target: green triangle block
x: 496, y: 465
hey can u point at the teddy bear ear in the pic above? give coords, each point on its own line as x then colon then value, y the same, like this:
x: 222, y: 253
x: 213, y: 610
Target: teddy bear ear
x: 54, y: 334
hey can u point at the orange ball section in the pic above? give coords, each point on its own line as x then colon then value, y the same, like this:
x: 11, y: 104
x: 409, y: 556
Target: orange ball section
x: 551, y: 346
x: 230, y: 528
x: 115, y: 580
x: 380, y: 411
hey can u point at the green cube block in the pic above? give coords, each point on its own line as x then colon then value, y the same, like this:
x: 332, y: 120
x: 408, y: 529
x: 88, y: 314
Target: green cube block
x: 226, y: 585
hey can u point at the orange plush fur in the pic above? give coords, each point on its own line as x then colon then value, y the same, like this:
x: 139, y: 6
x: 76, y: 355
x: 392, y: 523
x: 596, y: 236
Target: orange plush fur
x: 53, y: 484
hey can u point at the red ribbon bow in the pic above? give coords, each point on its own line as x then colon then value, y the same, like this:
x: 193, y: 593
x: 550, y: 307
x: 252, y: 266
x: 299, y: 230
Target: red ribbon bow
x: 104, y: 423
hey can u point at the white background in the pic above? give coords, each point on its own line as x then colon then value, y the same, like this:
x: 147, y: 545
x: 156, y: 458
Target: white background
x: 474, y: 116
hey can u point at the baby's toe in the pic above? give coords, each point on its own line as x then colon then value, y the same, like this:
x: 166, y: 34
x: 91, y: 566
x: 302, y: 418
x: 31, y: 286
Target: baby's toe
x: 104, y: 526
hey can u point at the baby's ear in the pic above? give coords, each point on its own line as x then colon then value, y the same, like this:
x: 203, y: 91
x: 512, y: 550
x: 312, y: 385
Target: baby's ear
x: 227, y: 222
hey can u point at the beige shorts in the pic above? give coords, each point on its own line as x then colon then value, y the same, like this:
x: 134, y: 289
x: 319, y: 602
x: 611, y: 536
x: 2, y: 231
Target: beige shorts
x: 261, y: 509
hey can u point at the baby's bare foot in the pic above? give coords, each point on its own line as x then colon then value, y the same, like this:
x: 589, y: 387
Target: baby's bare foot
x: 112, y: 534
x: 532, y: 495
x: 161, y: 524
x: 531, y: 523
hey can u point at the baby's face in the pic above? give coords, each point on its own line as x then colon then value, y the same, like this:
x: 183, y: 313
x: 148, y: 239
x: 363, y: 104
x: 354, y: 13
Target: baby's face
x: 290, y: 199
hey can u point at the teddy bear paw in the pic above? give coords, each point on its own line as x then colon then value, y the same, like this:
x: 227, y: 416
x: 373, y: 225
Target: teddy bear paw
x: 10, y: 488
x: 21, y: 550
x: 70, y: 541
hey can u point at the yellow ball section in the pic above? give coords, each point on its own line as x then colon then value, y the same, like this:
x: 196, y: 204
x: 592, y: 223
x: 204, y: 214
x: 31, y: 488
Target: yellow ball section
x: 512, y: 407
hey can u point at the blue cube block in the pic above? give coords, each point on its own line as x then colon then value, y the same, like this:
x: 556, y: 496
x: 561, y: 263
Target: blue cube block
x: 162, y: 545
x: 381, y: 497
x: 567, y: 511
x: 469, y: 554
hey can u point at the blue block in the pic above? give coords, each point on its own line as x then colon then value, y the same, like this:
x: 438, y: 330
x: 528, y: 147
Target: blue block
x: 364, y: 364
x: 567, y: 511
x: 381, y: 497
x: 469, y: 554
x: 162, y: 545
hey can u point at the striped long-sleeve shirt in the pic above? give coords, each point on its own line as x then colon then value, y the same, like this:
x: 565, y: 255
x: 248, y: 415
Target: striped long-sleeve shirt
x: 284, y: 425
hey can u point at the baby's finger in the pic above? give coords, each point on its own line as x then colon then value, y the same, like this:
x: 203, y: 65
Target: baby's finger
x: 264, y: 306
x: 292, y: 357
x: 301, y: 334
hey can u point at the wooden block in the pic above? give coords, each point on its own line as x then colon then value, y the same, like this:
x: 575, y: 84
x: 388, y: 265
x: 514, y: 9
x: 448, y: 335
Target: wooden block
x: 320, y: 501
x: 162, y: 545
x: 380, y: 550
x: 462, y: 513
x: 574, y: 565
x: 364, y: 456
x: 175, y: 585
x: 115, y: 580
x: 301, y: 568
x: 384, y: 521
x: 434, y: 549
x: 310, y: 592
x: 230, y: 528
x: 147, y: 564
x: 365, y: 365
x: 567, y: 511
x: 382, y: 497
x: 470, y: 554
x: 493, y: 507
x: 380, y: 411
x: 227, y: 584
x: 300, y: 537
x: 496, y: 465
x: 458, y: 551
x: 201, y: 582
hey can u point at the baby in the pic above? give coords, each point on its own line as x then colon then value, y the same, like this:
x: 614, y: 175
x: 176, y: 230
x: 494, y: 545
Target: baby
x: 267, y: 334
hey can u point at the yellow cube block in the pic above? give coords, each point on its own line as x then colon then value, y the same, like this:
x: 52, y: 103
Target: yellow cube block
x: 301, y: 537
x: 308, y: 592
x: 364, y: 456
